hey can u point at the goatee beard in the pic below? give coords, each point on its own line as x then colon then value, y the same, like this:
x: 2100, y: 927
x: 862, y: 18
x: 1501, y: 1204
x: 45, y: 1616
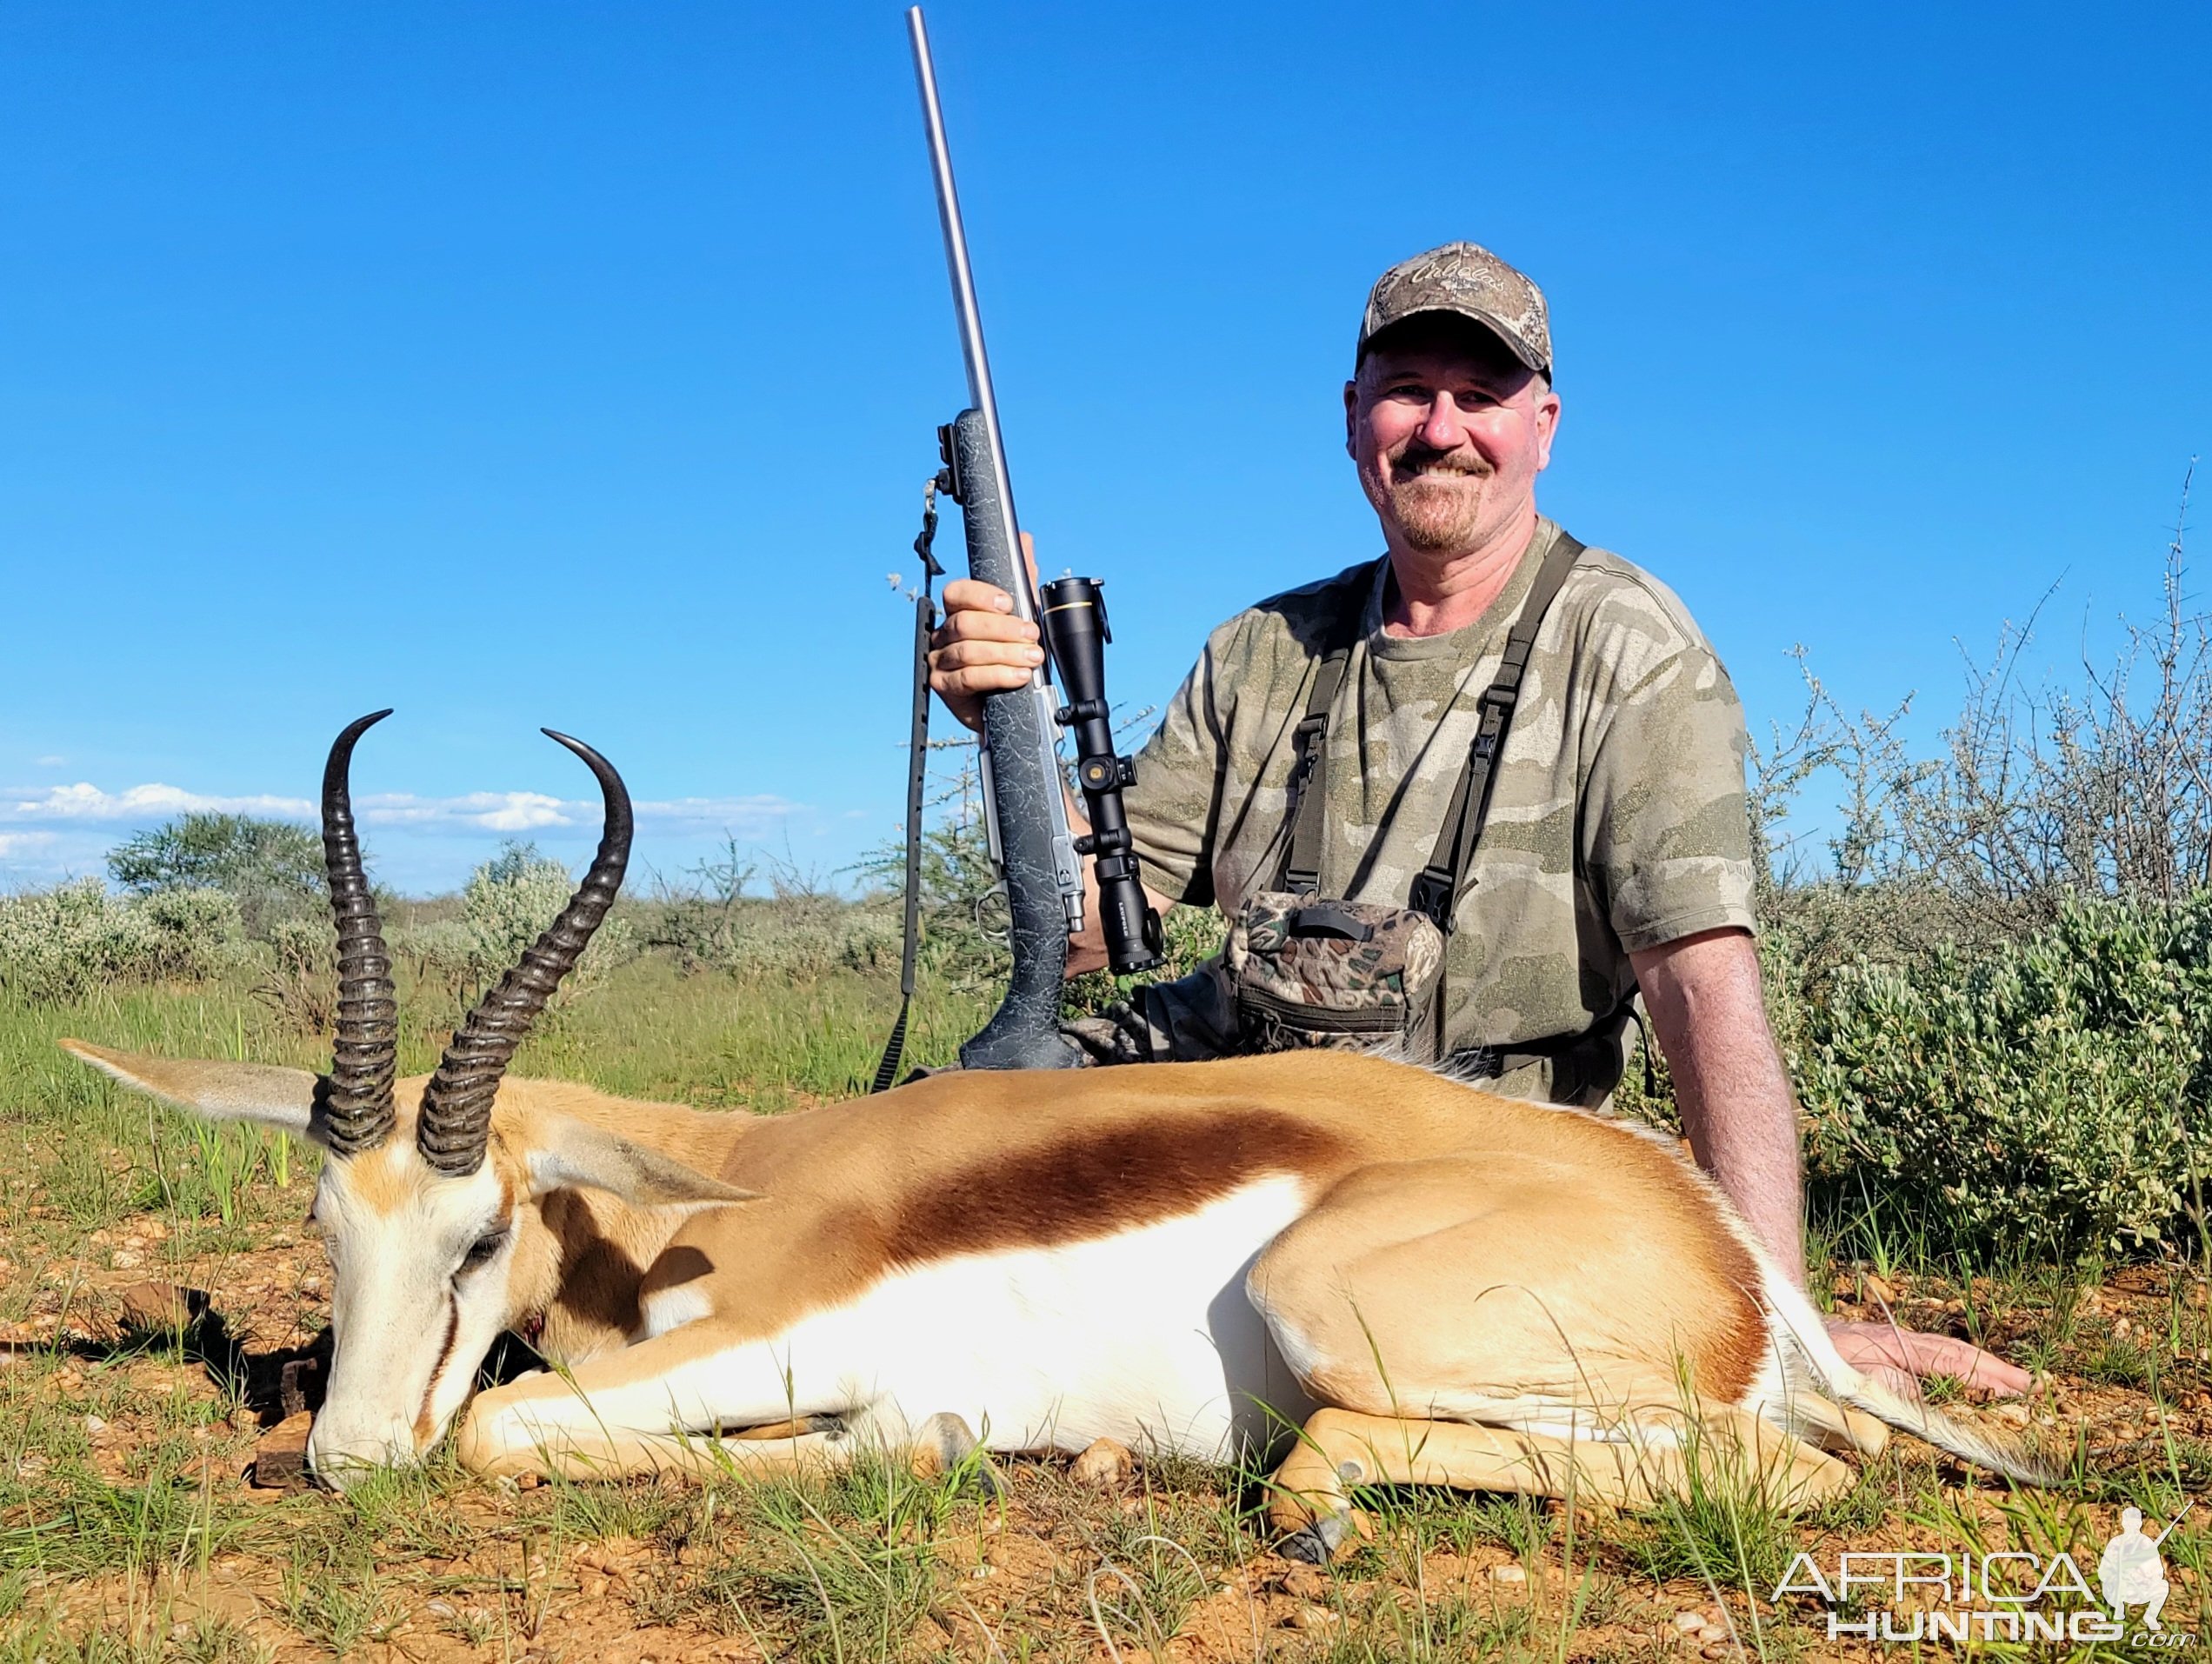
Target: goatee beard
x: 1431, y: 516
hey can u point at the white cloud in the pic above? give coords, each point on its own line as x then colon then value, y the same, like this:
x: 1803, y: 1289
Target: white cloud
x: 524, y: 811
x: 761, y: 809
x: 84, y: 801
x: 50, y: 762
x: 490, y: 811
x: 17, y: 843
x: 496, y: 811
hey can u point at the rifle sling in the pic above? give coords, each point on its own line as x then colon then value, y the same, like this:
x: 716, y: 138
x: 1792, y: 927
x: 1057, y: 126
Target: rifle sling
x: 917, y: 775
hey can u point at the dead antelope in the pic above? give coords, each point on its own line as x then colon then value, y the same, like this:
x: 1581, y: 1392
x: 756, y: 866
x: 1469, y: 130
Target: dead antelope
x: 1434, y: 1284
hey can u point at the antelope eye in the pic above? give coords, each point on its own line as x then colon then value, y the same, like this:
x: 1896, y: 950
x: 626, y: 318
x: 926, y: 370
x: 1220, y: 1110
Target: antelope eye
x: 483, y: 1248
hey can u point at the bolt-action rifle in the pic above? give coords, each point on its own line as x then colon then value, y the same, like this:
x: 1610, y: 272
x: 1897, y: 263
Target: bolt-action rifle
x: 1033, y: 845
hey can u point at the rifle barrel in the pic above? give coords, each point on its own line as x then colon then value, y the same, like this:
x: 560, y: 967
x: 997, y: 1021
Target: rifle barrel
x: 963, y: 298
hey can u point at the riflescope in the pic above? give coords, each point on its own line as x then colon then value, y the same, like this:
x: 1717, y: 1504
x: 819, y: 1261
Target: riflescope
x: 1076, y: 632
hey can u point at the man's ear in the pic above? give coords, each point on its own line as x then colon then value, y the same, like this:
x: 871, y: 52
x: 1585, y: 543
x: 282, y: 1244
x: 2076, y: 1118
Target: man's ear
x: 1351, y: 420
x: 286, y: 1099
x: 569, y: 1153
x: 1547, y: 427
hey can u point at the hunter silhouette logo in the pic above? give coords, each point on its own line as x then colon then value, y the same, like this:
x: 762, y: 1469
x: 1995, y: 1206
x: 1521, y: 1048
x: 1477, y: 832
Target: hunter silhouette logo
x: 2130, y: 1572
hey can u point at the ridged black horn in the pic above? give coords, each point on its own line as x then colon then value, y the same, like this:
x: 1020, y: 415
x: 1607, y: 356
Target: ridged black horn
x: 365, y: 1056
x: 456, y: 1122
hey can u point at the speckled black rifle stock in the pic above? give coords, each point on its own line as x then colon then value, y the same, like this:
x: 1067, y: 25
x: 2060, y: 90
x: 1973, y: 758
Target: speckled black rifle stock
x: 1031, y: 839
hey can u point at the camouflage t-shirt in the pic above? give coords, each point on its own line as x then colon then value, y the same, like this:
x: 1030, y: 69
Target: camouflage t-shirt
x: 1616, y: 817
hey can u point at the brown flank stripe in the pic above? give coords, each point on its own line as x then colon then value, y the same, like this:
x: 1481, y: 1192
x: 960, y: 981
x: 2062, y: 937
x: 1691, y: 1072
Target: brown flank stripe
x: 1098, y: 1181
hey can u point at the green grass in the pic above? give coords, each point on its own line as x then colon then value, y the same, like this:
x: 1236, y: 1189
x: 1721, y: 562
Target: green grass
x: 874, y: 1564
x: 87, y: 1154
x: 844, y: 1567
x: 2117, y: 1361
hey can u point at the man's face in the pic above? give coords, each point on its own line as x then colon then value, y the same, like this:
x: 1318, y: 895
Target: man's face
x: 1450, y: 432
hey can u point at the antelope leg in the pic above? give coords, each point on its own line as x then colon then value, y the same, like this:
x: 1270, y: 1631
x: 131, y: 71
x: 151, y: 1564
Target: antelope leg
x: 662, y: 1404
x: 1342, y: 1449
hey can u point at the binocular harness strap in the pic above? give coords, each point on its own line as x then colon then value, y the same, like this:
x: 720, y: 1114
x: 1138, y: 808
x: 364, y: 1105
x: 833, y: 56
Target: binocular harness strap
x: 1437, y: 890
x: 1436, y: 887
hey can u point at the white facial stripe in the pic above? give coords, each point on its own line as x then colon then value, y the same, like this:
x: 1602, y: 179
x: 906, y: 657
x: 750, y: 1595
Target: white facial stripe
x: 409, y: 1337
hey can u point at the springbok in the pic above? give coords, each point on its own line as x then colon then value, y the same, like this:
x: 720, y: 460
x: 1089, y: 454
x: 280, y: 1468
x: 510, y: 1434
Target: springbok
x: 1424, y: 1283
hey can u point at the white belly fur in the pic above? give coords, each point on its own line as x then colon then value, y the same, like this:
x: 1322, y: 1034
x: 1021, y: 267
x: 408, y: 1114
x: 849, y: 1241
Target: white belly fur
x: 1146, y: 1337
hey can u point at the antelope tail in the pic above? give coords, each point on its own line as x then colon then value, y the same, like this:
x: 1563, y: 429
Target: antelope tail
x: 1809, y: 1336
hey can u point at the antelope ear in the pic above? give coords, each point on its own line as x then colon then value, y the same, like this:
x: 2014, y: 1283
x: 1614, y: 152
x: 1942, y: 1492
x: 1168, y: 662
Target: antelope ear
x: 572, y: 1152
x: 287, y: 1099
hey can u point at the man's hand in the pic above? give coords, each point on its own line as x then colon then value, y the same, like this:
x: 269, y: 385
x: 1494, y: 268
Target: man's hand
x: 982, y: 647
x: 1896, y: 1357
x: 1703, y: 995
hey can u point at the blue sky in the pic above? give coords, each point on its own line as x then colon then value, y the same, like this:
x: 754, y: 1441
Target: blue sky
x: 550, y: 363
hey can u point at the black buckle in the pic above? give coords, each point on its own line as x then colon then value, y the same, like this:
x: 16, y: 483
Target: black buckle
x: 1433, y: 895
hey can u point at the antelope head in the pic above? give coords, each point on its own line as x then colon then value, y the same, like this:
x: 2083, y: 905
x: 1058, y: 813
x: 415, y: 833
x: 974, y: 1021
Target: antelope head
x: 433, y: 1228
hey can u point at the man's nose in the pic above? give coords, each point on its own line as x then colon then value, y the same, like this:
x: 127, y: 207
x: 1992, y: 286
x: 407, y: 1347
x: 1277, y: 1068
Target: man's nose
x: 1444, y: 429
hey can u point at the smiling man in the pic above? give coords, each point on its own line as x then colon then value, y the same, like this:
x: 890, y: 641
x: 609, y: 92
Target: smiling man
x: 1607, y: 851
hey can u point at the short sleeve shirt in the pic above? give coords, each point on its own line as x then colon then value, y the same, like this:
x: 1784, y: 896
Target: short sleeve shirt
x: 1617, y: 814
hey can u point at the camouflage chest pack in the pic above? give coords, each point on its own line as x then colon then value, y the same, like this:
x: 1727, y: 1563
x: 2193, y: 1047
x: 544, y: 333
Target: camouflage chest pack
x: 1305, y: 970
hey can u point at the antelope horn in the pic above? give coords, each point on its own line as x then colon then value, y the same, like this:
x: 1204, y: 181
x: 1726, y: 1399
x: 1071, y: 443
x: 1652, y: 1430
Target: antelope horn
x: 365, y: 1055
x: 455, y: 1121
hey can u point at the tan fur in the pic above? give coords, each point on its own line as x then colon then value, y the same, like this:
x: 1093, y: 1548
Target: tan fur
x: 1459, y: 1257
x: 1340, y: 1448
x: 583, y: 1255
x: 960, y: 1162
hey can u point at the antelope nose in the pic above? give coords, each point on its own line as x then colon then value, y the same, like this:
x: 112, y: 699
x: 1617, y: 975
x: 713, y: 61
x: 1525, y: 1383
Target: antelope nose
x: 343, y: 1459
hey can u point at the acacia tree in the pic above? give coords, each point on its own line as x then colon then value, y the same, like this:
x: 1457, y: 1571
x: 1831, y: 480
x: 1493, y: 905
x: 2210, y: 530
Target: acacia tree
x: 273, y: 868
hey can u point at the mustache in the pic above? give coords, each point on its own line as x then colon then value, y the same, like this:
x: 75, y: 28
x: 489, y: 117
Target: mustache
x: 1417, y: 459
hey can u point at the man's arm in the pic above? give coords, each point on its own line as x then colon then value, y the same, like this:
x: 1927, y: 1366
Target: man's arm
x: 1703, y: 995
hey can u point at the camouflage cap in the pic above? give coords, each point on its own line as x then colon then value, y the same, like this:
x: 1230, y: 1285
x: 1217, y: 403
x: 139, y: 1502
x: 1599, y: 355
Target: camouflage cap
x: 1472, y: 282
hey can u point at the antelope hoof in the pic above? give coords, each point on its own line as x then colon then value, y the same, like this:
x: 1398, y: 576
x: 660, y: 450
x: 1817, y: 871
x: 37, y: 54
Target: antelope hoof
x: 946, y: 1441
x: 989, y: 1480
x: 1321, y: 1542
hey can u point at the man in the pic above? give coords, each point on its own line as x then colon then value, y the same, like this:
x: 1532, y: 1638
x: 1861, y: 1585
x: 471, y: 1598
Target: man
x: 2130, y: 1572
x: 1615, y: 855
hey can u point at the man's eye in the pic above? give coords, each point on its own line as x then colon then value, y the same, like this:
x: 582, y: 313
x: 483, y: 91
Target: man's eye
x: 481, y: 1249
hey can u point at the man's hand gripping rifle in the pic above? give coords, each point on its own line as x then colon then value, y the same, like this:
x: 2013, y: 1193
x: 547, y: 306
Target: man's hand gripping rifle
x: 1032, y: 843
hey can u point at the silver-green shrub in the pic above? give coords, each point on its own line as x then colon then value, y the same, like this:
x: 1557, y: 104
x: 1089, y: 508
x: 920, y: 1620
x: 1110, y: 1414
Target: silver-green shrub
x: 62, y: 944
x: 799, y: 936
x: 505, y: 907
x: 2053, y: 1093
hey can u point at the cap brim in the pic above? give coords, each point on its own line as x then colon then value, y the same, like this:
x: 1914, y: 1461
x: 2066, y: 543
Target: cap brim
x: 1520, y: 349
